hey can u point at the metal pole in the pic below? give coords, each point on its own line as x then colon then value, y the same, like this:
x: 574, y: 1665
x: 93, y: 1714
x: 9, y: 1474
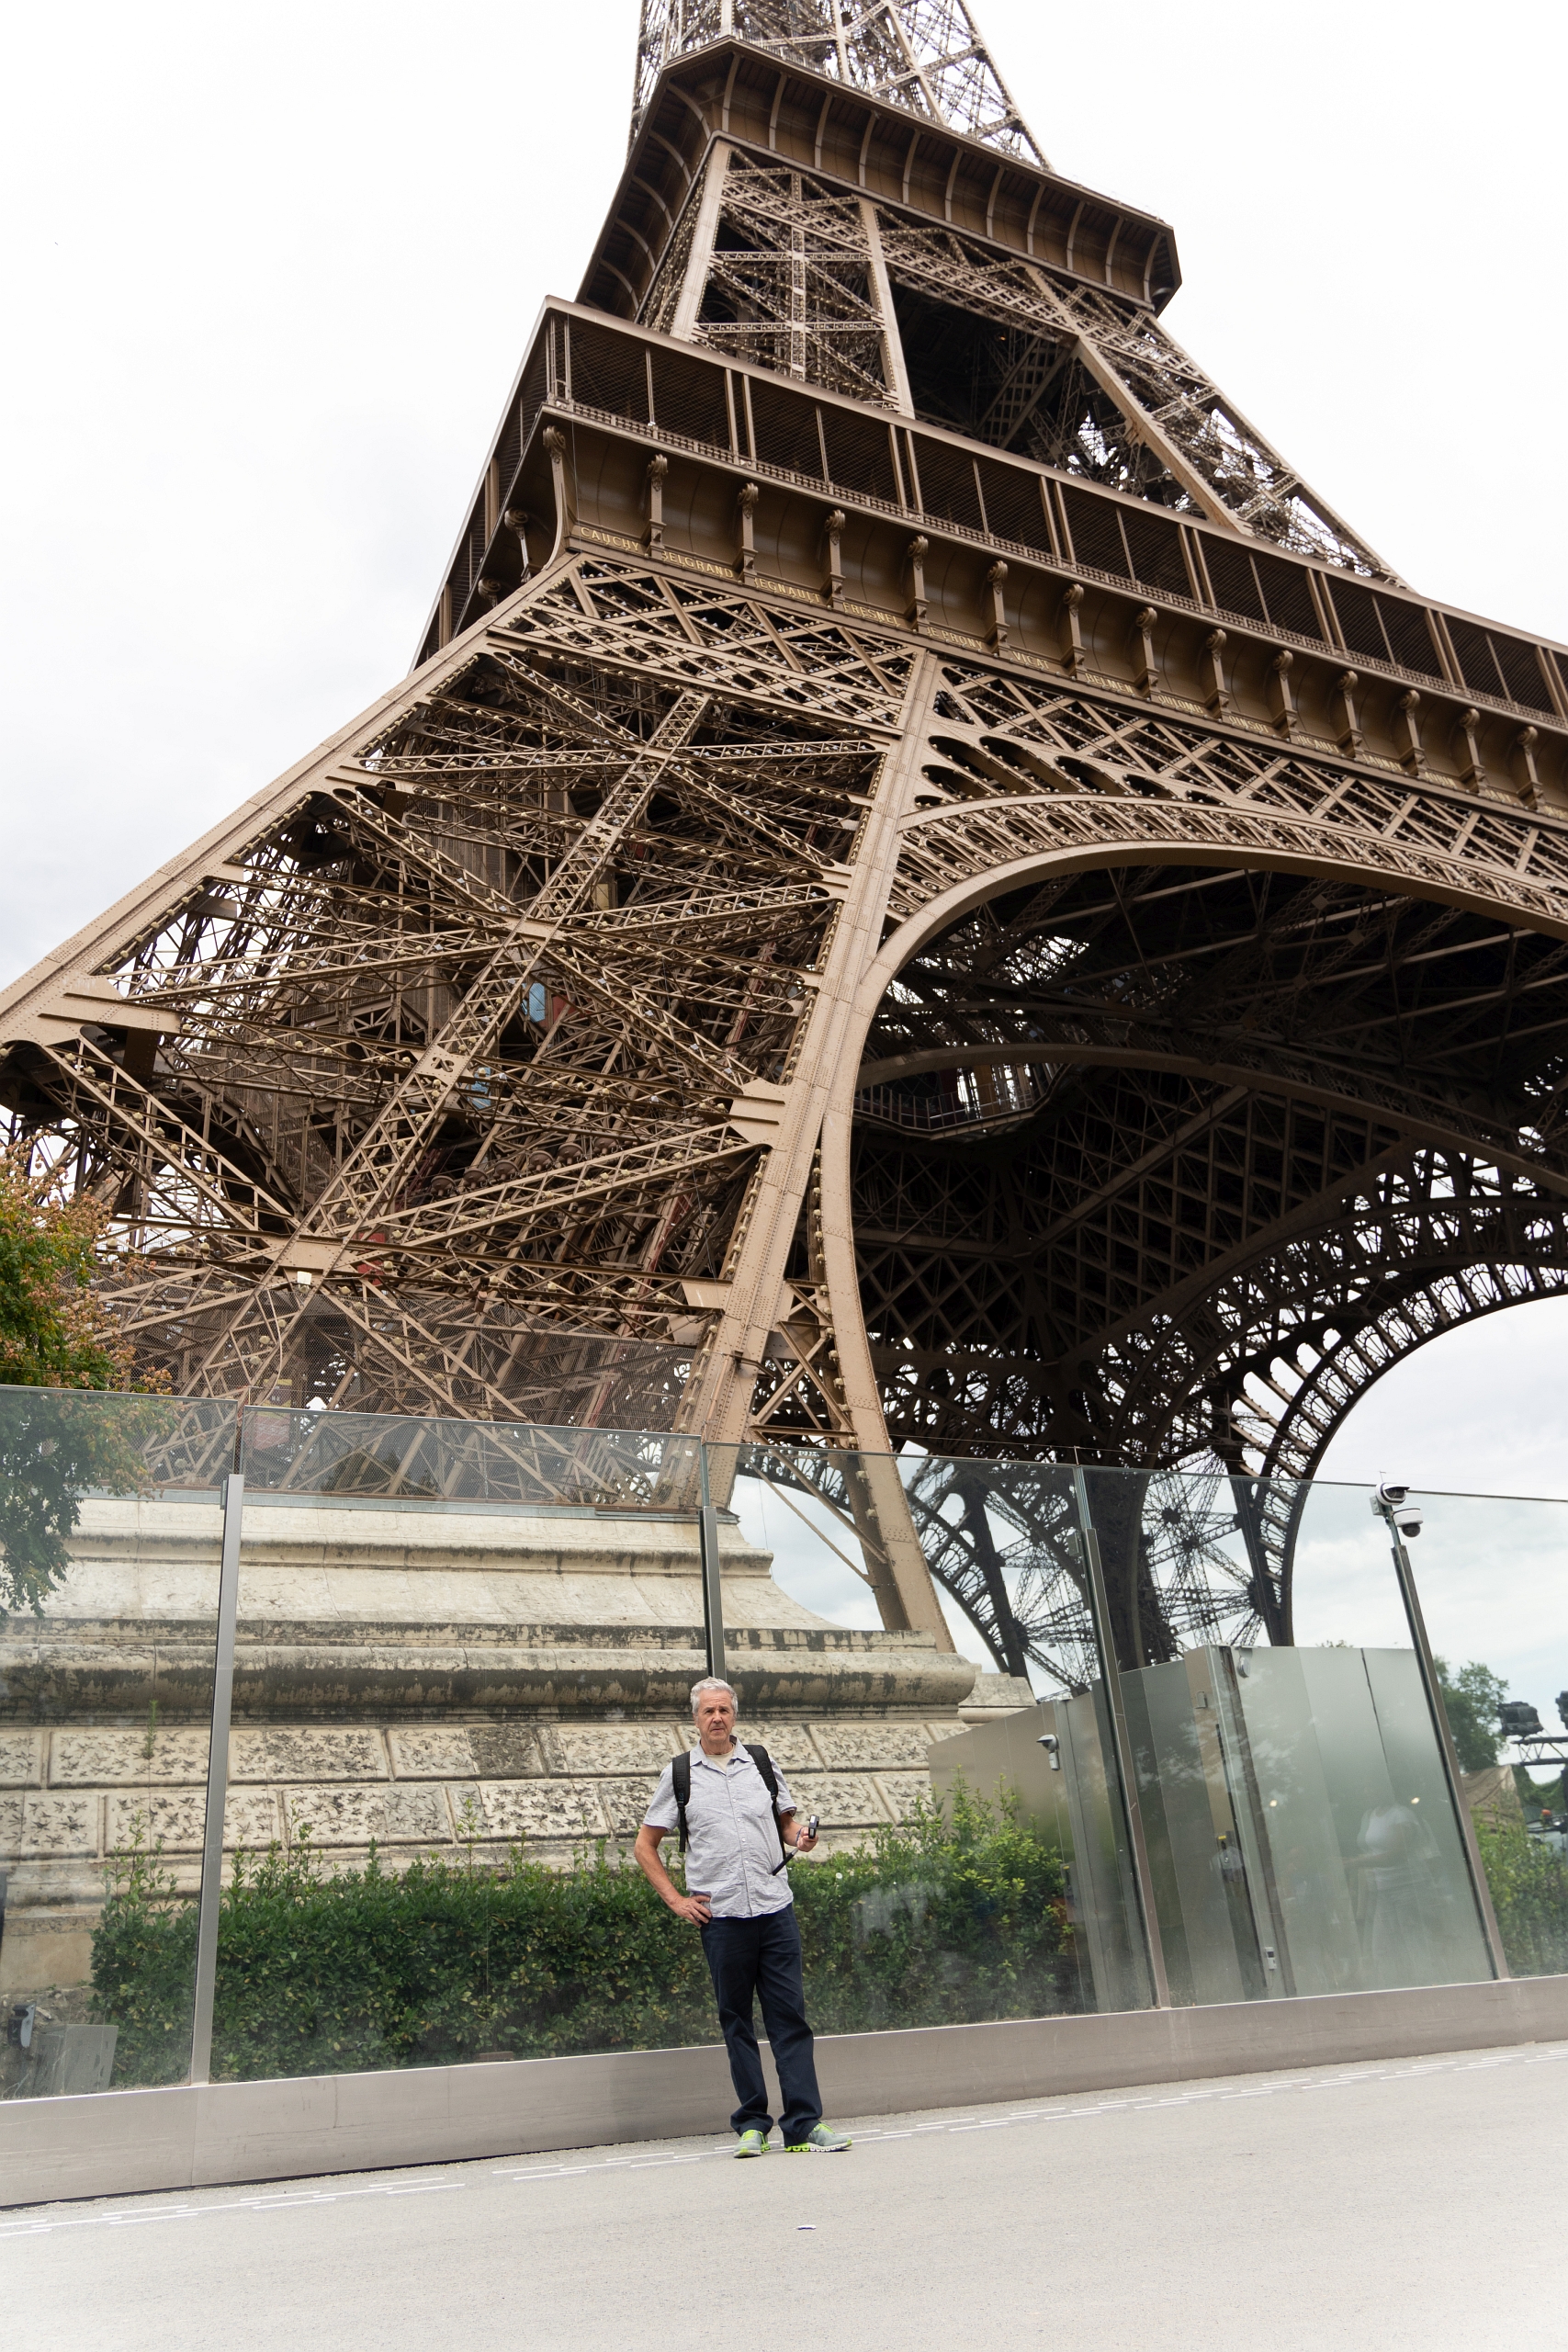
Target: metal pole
x: 217, y: 1781
x: 1099, y: 1610
x: 713, y: 1591
x: 1439, y: 1715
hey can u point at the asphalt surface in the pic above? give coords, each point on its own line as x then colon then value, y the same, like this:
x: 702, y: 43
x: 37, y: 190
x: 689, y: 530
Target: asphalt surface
x: 1371, y: 2207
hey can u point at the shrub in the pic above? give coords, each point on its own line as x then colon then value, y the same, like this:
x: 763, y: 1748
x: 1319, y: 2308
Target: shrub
x: 934, y: 1922
x: 144, y: 1964
x: 943, y: 1920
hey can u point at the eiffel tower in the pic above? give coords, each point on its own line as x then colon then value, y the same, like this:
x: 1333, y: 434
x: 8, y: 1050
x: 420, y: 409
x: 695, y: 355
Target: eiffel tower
x: 924, y: 890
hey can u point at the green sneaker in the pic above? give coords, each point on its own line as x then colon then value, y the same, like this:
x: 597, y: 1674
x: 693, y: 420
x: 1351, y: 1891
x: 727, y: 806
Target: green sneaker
x: 818, y: 2142
x: 753, y: 2143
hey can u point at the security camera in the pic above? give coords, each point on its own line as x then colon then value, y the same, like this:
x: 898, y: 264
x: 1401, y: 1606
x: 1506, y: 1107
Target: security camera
x: 1389, y: 1503
x: 1051, y: 1744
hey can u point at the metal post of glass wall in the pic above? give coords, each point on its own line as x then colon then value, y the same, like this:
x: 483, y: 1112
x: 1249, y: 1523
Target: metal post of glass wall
x: 1099, y: 1610
x: 713, y: 1590
x: 1386, y: 1511
x: 217, y: 1781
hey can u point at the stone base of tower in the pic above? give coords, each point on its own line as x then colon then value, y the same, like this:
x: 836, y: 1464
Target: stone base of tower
x: 457, y: 1682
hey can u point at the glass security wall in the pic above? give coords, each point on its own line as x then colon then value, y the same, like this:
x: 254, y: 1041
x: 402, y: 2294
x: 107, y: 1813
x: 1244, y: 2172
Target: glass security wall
x: 110, y: 1533
x: 935, y: 1898
x: 463, y: 1656
x: 1493, y: 1578
x: 1075, y: 1739
x: 1285, y: 1812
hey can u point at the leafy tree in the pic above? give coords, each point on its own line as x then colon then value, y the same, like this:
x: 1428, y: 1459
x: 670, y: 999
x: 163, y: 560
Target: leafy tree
x: 53, y: 1332
x: 1471, y: 1698
x: 56, y: 1338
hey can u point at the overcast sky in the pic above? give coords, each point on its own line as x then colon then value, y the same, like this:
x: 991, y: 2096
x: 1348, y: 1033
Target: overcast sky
x: 269, y: 273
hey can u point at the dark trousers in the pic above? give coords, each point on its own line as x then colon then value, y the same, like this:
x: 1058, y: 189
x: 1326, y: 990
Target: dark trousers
x: 750, y: 1959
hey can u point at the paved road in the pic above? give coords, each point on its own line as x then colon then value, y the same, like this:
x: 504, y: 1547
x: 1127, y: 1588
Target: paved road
x: 1368, y: 2207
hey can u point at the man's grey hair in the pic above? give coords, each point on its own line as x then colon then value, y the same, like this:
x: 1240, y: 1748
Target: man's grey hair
x: 714, y: 1683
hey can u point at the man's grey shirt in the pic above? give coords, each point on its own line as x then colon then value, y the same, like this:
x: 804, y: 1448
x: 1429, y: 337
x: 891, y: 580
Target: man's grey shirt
x: 734, y: 1845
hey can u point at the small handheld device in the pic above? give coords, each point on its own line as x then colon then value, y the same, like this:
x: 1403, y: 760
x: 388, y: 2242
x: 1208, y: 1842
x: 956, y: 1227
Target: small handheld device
x: 784, y: 1860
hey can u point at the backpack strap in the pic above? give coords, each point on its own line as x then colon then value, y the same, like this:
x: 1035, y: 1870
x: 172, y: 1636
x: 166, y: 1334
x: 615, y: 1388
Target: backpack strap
x: 681, y: 1775
x: 764, y: 1764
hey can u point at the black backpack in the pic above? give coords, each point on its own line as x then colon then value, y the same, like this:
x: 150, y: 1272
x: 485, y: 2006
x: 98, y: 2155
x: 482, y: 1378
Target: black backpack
x: 680, y: 1774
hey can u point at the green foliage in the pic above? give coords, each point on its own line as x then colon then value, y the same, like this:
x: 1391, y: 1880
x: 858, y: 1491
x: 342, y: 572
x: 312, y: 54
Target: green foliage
x: 52, y: 1333
x: 56, y: 1446
x: 1530, y: 1894
x: 144, y: 1963
x: 943, y: 1920
x: 55, y: 1336
x: 928, y: 1923
x: 1471, y: 1698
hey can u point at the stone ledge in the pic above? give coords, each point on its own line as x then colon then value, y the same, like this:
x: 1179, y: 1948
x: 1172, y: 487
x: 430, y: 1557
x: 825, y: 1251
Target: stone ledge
x: 69, y: 1678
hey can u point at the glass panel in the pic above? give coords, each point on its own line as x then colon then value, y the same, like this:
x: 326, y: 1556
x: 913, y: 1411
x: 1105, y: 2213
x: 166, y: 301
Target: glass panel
x: 464, y: 1657
x: 907, y: 1917
x: 1268, y: 1661
x: 1493, y: 1576
x: 1004, y: 1545
x: 954, y: 1856
x: 1292, y: 1805
x: 110, y: 1535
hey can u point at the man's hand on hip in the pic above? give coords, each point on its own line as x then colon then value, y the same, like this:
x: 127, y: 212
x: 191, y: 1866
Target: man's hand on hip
x: 692, y: 1907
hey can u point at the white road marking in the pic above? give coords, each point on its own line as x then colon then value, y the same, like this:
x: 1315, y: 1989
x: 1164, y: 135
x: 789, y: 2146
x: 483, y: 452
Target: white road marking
x: 284, y: 2202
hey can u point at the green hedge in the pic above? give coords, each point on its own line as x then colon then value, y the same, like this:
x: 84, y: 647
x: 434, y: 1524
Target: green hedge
x: 1530, y: 1894
x: 936, y: 1922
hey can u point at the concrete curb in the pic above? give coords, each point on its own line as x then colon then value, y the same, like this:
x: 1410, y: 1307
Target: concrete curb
x: 131, y: 2142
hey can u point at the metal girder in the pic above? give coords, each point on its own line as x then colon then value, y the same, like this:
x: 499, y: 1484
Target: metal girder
x: 1195, y: 1076
x: 923, y: 54
x: 729, y: 989
x: 780, y: 267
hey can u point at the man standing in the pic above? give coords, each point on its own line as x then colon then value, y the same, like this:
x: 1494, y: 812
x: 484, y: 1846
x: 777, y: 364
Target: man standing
x: 741, y: 1899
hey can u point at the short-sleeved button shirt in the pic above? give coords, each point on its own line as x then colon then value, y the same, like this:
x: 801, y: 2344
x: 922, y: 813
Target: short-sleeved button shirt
x: 734, y: 1844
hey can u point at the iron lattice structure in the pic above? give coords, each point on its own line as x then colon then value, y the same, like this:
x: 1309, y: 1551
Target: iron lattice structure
x: 923, y: 54
x: 924, y: 891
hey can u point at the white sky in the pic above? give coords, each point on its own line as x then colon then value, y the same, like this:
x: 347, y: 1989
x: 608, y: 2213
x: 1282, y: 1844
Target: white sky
x: 268, y: 274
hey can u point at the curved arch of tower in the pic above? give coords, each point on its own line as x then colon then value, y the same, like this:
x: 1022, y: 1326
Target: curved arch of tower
x: 924, y: 889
